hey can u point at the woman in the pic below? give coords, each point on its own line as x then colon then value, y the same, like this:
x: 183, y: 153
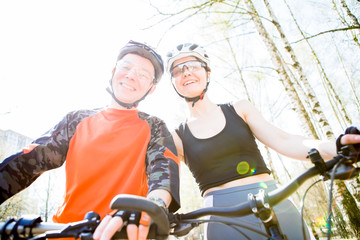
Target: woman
x: 218, y: 145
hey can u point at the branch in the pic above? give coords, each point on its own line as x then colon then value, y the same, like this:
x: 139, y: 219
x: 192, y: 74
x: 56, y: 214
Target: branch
x: 196, y: 10
x: 328, y: 31
x: 171, y: 15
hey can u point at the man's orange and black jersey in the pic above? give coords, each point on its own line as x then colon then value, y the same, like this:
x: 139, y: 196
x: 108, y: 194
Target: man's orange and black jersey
x: 107, y: 152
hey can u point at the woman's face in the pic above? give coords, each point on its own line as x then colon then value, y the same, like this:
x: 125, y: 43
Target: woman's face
x: 189, y: 76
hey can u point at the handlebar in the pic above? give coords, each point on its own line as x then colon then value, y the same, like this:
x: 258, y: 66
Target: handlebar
x: 346, y: 171
x: 181, y: 224
x: 39, y: 228
x: 82, y: 229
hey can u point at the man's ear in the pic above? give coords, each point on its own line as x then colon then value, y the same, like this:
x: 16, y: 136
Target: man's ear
x: 152, y: 89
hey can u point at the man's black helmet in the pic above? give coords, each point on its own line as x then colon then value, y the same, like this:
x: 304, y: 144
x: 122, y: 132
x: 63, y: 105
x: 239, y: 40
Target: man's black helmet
x: 147, y: 52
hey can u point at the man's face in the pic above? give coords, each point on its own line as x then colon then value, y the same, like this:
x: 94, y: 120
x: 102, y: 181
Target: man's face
x: 133, y: 77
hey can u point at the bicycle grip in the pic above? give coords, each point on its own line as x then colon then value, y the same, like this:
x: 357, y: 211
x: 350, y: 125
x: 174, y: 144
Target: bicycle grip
x: 138, y: 203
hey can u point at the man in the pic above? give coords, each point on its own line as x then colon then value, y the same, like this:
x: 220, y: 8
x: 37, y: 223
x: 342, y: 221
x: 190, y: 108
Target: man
x: 110, y: 151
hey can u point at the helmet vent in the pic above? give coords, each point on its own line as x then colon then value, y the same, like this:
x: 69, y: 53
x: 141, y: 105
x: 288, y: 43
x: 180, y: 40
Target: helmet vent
x: 179, y: 47
x: 188, y: 50
x: 193, y: 46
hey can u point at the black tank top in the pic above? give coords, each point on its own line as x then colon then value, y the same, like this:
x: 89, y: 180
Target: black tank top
x: 229, y: 155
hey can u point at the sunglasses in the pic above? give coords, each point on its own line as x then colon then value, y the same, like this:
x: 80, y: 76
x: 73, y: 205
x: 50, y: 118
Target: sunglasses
x: 191, y: 66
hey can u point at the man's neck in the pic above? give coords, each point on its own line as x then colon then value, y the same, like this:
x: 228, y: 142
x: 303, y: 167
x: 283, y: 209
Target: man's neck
x: 115, y: 105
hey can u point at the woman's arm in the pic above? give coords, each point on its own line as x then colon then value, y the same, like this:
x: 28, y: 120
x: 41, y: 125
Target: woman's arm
x: 290, y: 145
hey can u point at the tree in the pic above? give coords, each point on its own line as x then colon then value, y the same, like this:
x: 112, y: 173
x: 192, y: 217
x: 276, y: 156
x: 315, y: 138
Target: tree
x: 235, y: 15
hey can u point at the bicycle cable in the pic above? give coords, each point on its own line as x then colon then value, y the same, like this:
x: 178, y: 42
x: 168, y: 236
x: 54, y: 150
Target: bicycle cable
x: 302, y: 204
x: 328, y: 221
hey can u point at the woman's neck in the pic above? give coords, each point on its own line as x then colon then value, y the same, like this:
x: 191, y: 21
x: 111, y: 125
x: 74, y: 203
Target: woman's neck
x: 201, y: 108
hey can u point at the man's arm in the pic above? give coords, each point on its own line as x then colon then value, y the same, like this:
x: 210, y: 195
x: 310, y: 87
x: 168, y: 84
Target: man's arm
x: 19, y: 170
x: 162, y: 163
x: 47, y: 152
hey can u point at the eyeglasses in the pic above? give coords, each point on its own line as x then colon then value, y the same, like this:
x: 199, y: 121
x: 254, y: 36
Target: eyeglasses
x: 127, y: 67
x: 191, y: 66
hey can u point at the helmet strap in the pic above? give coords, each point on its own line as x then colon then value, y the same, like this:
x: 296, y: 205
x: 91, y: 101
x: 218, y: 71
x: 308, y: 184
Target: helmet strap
x: 193, y: 99
x: 200, y: 97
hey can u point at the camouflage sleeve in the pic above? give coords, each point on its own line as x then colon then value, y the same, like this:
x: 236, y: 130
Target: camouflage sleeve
x: 47, y: 152
x: 162, y: 163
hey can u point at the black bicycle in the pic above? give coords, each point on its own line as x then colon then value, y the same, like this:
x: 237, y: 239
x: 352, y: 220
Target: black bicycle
x: 164, y: 224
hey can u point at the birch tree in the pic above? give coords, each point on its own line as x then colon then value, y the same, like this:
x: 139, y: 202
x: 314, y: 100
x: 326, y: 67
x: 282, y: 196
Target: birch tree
x: 293, y: 78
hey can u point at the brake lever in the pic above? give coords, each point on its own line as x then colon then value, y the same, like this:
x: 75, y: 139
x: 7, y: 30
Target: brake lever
x: 178, y: 228
x: 182, y: 229
x: 82, y: 229
x: 346, y: 170
x: 349, y: 153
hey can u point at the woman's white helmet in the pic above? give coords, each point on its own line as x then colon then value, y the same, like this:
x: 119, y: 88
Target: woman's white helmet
x: 187, y: 50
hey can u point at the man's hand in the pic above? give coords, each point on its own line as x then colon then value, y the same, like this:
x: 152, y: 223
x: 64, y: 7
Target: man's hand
x: 137, y: 227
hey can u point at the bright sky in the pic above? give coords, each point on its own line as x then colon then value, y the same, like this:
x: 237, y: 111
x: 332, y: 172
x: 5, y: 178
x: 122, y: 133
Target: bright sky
x: 57, y: 56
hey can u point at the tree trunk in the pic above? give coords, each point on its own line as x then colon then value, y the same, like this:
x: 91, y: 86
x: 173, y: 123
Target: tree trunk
x: 280, y: 68
x: 310, y: 96
x: 336, y: 103
x: 354, y: 22
x: 277, y: 60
